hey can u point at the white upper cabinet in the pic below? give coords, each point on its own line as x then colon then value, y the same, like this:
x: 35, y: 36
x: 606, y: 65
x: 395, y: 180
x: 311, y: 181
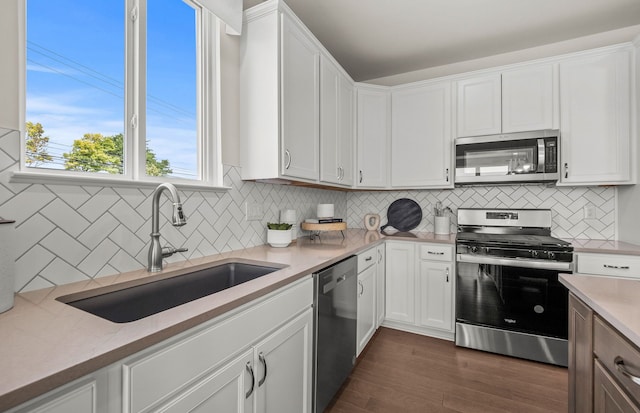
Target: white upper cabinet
x: 479, y: 106
x: 595, y: 111
x: 300, y: 100
x: 528, y: 99
x: 421, y: 138
x: 372, y: 136
x: 515, y: 100
x: 336, y: 125
x: 279, y: 97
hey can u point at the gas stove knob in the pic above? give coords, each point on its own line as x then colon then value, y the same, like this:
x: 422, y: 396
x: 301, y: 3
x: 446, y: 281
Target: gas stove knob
x: 474, y: 249
x: 551, y: 255
x: 534, y: 253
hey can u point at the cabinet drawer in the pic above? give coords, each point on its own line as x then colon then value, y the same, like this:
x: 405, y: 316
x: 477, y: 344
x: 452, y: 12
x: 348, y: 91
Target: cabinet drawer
x: 436, y: 252
x: 611, y: 348
x: 367, y: 258
x: 155, y: 375
x: 609, y: 264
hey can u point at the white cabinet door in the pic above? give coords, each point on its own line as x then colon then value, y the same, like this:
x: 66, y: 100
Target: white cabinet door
x: 421, y: 137
x: 300, y: 103
x: 380, y: 286
x: 366, y: 322
x: 80, y: 399
x: 400, y: 277
x: 229, y: 389
x: 435, y: 293
x: 528, y: 99
x: 595, y: 106
x: 336, y: 125
x: 372, y: 137
x: 283, y: 368
x: 479, y: 106
x: 346, y: 130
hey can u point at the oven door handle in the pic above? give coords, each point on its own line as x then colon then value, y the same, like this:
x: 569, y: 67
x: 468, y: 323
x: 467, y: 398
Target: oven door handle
x: 514, y: 262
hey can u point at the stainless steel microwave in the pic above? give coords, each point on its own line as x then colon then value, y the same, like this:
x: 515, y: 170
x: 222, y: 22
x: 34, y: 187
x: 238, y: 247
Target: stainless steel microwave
x: 509, y: 158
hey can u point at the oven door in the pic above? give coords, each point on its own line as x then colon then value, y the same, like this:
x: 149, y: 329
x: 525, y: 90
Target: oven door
x: 512, y: 294
x: 505, y: 158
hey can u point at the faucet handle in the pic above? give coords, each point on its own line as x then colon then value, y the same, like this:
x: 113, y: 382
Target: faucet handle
x: 169, y: 251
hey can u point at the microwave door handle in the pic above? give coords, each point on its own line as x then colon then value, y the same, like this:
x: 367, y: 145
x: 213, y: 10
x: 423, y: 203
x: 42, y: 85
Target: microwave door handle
x: 541, y: 155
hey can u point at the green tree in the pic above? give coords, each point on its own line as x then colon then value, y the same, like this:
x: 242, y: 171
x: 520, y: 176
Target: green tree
x: 154, y: 167
x: 94, y: 153
x: 37, y: 145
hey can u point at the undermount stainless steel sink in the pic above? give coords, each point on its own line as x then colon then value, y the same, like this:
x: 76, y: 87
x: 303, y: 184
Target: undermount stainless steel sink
x: 141, y: 298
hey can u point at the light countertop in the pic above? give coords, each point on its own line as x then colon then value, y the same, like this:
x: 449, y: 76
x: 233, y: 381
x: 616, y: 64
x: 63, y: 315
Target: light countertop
x: 46, y: 343
x: 616, y: 300
x: 604, y: 246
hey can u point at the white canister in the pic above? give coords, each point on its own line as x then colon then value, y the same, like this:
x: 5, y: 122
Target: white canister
x: 7, y: 264
x: 325, y: 211
x: 442, y: 225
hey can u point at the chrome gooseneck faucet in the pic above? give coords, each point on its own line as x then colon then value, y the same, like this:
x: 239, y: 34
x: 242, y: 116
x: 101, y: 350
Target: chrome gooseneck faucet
x: 156, y: 252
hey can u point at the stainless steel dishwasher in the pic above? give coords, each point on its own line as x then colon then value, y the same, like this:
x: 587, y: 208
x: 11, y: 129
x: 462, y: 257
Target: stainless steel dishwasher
x: 335, y: 329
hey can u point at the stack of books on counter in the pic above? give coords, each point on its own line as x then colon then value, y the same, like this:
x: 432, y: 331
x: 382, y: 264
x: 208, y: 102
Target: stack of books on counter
x: 322, y: 220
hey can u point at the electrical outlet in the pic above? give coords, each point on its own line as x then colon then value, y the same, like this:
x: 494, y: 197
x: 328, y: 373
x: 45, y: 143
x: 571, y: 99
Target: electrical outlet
x: 589, y: 211
x: 253, y: 211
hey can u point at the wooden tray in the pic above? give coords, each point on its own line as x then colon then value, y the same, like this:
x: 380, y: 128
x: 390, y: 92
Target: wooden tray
x: 333, y: 226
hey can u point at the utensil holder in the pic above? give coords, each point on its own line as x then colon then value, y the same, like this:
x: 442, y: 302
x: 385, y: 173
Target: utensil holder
x: 442, y: 225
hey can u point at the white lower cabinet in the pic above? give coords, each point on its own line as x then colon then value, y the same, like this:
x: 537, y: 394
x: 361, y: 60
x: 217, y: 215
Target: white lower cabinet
x: 400, y: 278
x: 366, y: 306
x: 256, y: 358
x: 221, y: 391
x: 283, y: 368
x: 380, y: 284
x: 435, y: 290
x: 419, y: 288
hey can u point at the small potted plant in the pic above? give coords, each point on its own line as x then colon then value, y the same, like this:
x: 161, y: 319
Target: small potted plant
x: 278, y: 235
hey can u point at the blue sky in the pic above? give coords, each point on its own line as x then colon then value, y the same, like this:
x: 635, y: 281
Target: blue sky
x: 75, y: 73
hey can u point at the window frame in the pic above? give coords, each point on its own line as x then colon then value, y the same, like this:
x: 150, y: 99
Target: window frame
x: 208, y: 130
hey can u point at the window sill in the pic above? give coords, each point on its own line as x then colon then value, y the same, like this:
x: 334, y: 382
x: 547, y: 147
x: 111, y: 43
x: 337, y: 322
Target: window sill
x: 23, y: 177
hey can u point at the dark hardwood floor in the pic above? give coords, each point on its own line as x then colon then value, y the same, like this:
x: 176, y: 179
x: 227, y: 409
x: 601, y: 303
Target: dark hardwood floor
x: 403, y: 372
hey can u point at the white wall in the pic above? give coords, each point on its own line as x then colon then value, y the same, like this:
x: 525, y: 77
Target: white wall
x: 9, y: 67
x: 554, y: 49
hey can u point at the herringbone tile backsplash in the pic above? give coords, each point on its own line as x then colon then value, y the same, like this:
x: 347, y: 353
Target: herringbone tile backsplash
x: 68, y: 233
x: 565, y: 203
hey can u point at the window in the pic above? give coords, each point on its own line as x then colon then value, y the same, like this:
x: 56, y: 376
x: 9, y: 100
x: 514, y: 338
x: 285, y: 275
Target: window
x: 117, y: 89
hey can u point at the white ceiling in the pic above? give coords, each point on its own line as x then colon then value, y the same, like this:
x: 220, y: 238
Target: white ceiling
x: 378, y: 38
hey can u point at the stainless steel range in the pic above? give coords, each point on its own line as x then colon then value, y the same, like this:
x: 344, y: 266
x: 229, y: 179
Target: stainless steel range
x: 508, y: 297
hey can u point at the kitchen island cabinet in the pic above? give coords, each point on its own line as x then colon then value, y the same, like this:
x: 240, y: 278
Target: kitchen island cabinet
x: 604, y: 344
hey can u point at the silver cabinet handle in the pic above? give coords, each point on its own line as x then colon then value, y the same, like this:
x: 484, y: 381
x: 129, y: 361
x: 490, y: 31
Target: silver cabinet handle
x: 369, y: 258
x: 379, y: 256
x: 341, y: 173
x: 361, y: 176
x: 616, y: 267
x: 361, y: 288
x: 253, y: 379
x: 566, y: 170
x: 288, y: 163
x: 264, y: 364
x: 447, y: 273
x: 435, y: 253
x: 447, y: 173
x: 622, y: 369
